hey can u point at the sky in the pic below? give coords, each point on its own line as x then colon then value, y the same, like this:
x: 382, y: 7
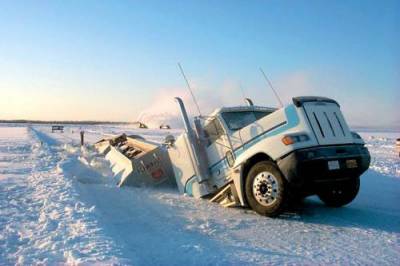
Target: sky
x: 117, y: 60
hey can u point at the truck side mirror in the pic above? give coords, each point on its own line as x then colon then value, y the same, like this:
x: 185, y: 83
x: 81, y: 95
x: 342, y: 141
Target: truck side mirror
x: 169, y: 140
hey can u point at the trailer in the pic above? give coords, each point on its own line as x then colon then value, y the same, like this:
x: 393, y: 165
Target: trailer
x: 135, y: 161
x: 253, y: 156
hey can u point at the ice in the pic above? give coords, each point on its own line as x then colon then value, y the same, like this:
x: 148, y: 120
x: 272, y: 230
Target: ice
x: 59, y: 205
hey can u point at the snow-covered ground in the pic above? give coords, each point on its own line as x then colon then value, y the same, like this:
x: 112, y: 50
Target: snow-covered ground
x: 385, y: 158
x: 58, y: 204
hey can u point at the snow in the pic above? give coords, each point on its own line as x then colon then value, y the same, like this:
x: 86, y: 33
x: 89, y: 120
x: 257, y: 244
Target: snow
x: 59, y: 205
x: 43, y: 219
x: 385, y: 158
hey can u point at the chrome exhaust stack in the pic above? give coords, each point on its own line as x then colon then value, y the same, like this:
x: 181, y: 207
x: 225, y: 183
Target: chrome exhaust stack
x: 199, y: 157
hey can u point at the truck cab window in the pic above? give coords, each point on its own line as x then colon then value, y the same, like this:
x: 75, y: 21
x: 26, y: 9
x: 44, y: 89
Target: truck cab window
x: 213, y: 131
x: 239, y: 120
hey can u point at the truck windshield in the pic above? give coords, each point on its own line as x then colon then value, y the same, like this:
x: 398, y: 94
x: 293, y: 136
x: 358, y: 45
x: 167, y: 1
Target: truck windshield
x: 238, y: 120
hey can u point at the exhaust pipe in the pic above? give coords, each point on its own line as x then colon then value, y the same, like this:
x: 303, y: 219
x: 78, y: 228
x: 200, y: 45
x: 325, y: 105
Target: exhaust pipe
x: 185, y: 118
x: 200, y: 165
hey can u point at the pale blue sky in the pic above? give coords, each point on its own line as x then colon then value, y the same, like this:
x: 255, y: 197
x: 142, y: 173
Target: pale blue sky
x: 108, y: 60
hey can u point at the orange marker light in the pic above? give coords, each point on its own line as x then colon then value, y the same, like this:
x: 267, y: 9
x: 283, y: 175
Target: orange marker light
x: 287, y: 140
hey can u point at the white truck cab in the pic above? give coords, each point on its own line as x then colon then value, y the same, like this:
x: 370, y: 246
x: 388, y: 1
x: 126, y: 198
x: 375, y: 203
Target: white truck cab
x: 263, y: 157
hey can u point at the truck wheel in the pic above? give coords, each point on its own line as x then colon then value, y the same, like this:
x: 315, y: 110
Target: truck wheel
x: 340, y: 194
x: 266, y: 189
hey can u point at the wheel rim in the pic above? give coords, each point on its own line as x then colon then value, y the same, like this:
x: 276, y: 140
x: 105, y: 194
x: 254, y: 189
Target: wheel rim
x: 265, y: 188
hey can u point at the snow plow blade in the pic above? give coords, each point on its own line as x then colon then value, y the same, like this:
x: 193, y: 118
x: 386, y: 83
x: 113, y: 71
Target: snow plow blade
x: 136, y: 161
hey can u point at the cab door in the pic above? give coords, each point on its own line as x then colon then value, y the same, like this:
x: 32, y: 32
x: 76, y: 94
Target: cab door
x: 217, y: 147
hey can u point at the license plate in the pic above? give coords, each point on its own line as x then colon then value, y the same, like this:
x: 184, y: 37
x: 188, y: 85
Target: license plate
x: 351, y: 163
x: 333, y: 165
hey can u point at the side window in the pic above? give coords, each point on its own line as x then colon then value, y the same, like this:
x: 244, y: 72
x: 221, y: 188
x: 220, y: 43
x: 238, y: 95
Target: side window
x: 213, y: 131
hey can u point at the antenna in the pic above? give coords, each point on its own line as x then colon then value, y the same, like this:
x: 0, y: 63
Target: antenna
x: 272, y: 87
x: 190, y: 89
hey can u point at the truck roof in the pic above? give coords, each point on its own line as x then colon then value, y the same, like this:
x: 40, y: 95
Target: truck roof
x: 241, y: 109
x: 299, y: 101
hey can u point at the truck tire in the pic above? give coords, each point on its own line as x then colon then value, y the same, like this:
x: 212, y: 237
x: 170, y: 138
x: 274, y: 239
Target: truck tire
x: 340, y: 194
x: 266, y: 189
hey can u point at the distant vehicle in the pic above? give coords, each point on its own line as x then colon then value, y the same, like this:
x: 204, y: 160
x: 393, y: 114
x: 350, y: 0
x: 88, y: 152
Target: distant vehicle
x: 263, y: 157
x: 164, y: 126
x: 57, y: 128
x: 141, y: 125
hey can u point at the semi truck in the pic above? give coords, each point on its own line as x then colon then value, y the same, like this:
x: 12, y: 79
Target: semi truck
x: 264, y: 158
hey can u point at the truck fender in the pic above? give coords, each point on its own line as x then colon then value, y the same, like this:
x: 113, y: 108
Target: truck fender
x: 239, y: 177
x: 238, y: 182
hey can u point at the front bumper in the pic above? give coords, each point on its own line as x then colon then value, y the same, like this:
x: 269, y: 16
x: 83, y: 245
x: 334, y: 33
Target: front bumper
x: 310, y: 165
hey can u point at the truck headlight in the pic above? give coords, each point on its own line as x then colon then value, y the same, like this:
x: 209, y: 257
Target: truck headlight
x: 291, y: 139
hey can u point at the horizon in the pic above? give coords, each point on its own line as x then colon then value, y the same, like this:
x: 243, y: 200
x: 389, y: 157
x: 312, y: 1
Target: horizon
x: 104, y: 61
x: 357, y: 128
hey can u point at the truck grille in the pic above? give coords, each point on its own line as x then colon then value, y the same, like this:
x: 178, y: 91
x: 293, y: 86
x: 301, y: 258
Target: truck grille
x: 328, y: 123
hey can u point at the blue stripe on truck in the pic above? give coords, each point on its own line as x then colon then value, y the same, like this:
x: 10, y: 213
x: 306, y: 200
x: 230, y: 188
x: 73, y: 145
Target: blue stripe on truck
x: 292, y: 121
